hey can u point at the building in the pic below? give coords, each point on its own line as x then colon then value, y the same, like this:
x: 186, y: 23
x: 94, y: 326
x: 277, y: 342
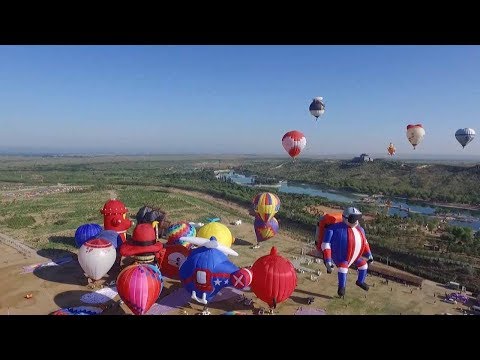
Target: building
x: 362, y: 158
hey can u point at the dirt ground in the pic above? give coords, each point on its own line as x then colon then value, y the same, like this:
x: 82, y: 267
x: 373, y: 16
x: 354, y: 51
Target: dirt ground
x: 62, y: 286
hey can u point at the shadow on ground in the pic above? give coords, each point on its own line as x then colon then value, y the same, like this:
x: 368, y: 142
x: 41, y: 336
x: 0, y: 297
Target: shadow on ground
x: 242, y: 242
x: 64, y: 240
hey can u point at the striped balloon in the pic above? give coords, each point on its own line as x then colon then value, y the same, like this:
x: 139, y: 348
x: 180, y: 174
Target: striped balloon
x: 266, y: 205
x: 265, y: 230
x: 139, y: 286
x: 176, y: 231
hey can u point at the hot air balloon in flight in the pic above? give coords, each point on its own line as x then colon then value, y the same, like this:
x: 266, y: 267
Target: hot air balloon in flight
x: 465, y: 136
x: 274, y: 278
x: 266, y: 205
x: 415, y: 134
x: 294, y: 142
x: 96, y: 257
x: 139, y: 286
x: 317, y: 107
x: 265, y: 230
x: 391, y: 149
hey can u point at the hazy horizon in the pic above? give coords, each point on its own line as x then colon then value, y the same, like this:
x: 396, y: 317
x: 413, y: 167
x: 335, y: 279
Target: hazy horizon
x: 237, y: 99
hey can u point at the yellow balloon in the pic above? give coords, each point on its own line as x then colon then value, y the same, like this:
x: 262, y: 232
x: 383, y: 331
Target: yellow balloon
x: 220, y: 231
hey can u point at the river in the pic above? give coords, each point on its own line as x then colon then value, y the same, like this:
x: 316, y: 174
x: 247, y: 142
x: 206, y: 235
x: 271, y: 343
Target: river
x: 352, y: 198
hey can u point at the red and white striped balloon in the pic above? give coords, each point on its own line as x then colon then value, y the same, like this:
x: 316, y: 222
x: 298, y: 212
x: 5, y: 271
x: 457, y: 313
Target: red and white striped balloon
x: 96, y: 257
x: 294, y: 142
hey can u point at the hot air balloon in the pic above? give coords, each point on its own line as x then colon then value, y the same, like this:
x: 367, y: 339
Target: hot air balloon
x: 220, y: 231
x: 96, y: 257
x: 265, y: 230
x: 176, y: 231
x: 465, y: 136
x: 391, y: 149
x: 86, y: 232
x: 294, y: 142
x: 266, y: 205
x: 139, y: 286
x: 274, y: 278
x: 207, y: 270
x: 175, y: 256
x: 111, y: 236
x: 415, y: 134
x: 317, y: 107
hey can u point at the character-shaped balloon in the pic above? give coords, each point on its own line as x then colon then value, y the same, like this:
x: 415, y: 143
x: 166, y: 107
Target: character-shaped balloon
x: 86, y: 232
x: 96, y: 257
x: 139, y: 286
x: 274, y: 278
x: 317, y: 107
x: 415, y: 134
x: 345, y: 243
x: 221, y: 233
x: 115, y: 217
x: 294, y: 142
x: 175, y: 256
x: 207, y: 269
x: 391, y: 149
x: 465, y: 136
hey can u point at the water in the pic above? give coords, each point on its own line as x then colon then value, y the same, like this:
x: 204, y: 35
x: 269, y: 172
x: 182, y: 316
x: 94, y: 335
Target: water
x: 351, y: 198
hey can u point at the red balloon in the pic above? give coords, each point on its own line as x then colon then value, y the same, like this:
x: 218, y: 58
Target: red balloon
x: 139, y: 286
x: 294, y: 142
x: 241, y: 279
x: 174, y: 257
x: 274, y: 278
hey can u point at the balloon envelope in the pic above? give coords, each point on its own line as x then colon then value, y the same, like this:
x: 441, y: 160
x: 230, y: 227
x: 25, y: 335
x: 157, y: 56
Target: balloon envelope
x: 176, y: 231
x: 391, y: 149
x: 86, y: 232
x: 415, y: 134
x: 111, y: 236
x: 274, y: 278
x: 219, y: 231
x: 96, y: 257
x: 294, y: 142
x: 465, y: 136
x: 139, y: 286
x: 175, y: 256
x: 265, y: 230
x: 266, y: 205
x: 317, y: 107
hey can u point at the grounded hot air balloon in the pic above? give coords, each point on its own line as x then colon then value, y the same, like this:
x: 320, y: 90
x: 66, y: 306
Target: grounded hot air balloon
x: 86, y: 232
x: 465, y: 136
x: 176, y: 231
x: 274, y: 278
x: 266, y: 205
x: 265, y: 230
x: 294, y: 142
x: 175, y: 256
x: 111, y: 236
x: 317, y: 107
x: 139, y: 286
x: 207, y: 270
x: 415, y: 134
x: 220, y: 231
x: 96, y: 257
x: 391, y: 149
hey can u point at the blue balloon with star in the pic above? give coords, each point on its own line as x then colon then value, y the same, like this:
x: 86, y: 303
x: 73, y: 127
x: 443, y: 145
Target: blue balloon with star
x: 205, y: 272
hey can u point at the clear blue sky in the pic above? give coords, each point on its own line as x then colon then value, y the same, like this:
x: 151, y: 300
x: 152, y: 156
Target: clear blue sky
x: 236, y: 99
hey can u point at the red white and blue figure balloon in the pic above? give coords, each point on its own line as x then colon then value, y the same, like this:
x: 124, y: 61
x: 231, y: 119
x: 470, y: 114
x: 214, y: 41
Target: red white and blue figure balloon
x: 207, y: 270
x: 86, y: 232
x: 96, y: 257
x: 345, y: 244
x: 139, y: 286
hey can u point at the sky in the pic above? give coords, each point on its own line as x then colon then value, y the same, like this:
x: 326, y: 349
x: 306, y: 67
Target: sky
x: 236, y: 99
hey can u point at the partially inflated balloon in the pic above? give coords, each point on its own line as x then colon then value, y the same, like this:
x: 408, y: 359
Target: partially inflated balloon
x: 465, y: 136
x: 266, y: 205
x: 415, y: 134
x: 265, y: 230
x: 294, y: 142
x: 139, y: 286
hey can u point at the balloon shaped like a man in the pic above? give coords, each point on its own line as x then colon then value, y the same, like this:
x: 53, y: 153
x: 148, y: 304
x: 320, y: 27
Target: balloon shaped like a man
x: 345, y: 243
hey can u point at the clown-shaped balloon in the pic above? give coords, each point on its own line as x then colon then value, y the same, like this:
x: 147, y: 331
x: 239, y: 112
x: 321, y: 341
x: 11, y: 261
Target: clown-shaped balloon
x: 207, y: 269
x: 96, y: 257
x: 265, y: 230
x: 266, y: 205
x: 175, y: 256
x: 139, y: 286
x: 176, y: 231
